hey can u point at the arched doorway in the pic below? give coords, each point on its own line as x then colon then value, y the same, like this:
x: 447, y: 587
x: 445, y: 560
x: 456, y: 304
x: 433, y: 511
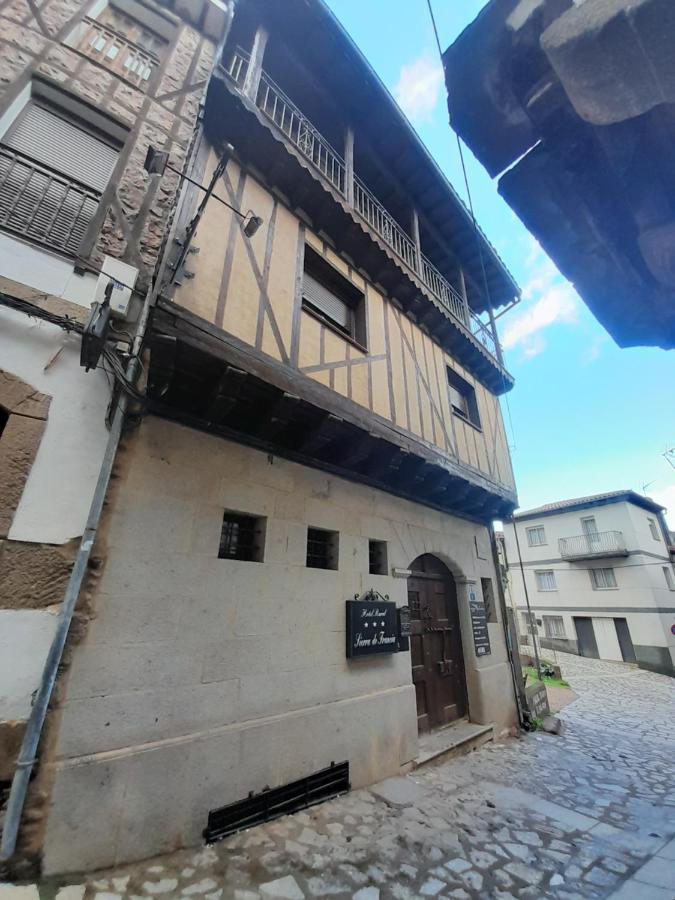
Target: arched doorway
x: 435, y: 644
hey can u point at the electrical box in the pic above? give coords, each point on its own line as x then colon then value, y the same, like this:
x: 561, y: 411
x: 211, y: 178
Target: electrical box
x: 123, y: 277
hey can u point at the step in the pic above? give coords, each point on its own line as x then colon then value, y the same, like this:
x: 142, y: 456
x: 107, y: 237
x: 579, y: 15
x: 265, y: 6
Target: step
x: 451, y: 741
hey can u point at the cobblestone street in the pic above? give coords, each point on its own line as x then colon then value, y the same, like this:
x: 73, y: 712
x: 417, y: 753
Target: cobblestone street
x: 589, y: 813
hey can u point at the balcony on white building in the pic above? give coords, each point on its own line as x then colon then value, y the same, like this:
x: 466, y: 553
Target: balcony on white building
x: 593, y: 545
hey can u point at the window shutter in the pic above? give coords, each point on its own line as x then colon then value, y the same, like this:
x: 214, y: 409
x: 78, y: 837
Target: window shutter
x: 326, y: 302
x: 63, y: 146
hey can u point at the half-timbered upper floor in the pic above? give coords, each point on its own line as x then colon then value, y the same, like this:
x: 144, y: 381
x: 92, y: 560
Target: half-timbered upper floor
x: 335, y: 334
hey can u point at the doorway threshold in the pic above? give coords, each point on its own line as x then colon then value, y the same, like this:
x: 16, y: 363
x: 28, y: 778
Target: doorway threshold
x: 452, y: 740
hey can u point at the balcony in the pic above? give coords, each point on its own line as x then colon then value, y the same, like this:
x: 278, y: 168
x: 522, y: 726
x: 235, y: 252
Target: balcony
x: 116, y: 52
x: 41, y: 204
x: 593, y: 546
x: 280, y: 110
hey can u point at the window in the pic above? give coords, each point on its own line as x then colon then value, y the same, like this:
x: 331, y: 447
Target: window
x: 603, y: 579
x: 333, y: 298
x: 489, y: 599
x: 536, y: 536
x: 122, y: 43
x: 322, y: 549
x: 377, y: 557
x: 554, y: 627
x: 654, y: 529
x: 241, y: 537
x: 670, y: 578
x: 529, y: 623
x: 53, y: 170
x: 546, y: 580
x: 463, y: 398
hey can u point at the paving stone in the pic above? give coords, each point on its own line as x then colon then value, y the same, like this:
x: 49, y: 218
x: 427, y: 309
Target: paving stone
x: 19, y: 892
x: 659, y: 872
x: 164, y: 886
x: 458, y: 865
x: 367, y: 893
x: 286, y: 888
x: 398, y: 792
x: 524, y: 873
x: 201, y: 887
x: 432, y: 887
x: 70, y: 892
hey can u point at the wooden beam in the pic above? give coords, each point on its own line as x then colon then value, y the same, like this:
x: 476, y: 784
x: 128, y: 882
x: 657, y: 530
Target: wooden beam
x: 225, y: 394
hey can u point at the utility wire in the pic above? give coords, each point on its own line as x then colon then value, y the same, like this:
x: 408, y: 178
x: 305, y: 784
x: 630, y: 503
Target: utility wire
x: 473, y: 217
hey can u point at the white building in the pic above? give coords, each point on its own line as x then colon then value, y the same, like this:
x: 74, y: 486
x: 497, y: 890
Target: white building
x: 599, y: 578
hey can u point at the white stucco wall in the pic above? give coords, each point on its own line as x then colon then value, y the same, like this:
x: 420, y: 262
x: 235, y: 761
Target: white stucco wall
x: 641, y: 597
x: 234, y: 674
x: 57, y: 494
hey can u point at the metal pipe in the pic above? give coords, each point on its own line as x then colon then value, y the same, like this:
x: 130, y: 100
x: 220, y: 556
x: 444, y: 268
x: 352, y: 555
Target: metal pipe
x: 531, y: 621
x: 38, y: 714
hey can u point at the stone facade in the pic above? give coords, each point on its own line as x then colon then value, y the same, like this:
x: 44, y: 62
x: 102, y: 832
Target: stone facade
x: 201, y: 665
x: 134, y: 212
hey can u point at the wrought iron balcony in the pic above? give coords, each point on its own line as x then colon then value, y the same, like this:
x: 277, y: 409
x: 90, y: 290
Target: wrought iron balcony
x: 116, y: 52
x: 281, y: 110
x: 591, y: 546
x: 43, y: 205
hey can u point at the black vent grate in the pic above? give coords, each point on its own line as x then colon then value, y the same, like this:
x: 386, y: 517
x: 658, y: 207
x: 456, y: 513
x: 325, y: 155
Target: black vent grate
x: 272, y: 803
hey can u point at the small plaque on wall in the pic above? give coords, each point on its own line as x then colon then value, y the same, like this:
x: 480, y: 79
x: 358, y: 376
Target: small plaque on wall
x: 372, y: 625
x: 481, y: 638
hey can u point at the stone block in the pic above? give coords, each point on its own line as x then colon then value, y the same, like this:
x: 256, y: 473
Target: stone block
x: 25, y: 638
x: 11, y: 735
x: 33, y: 576
x: 20, y: 441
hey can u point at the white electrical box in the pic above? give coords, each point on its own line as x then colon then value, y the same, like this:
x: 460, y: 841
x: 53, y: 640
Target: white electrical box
x: 123, y: 277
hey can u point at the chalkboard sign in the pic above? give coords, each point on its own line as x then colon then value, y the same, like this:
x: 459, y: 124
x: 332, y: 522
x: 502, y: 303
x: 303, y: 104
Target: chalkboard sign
x: 371, y: 626
x: 537, y: 699
x: 481, y: 638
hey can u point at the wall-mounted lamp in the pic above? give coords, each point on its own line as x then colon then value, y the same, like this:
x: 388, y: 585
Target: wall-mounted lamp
x: 157, y: 162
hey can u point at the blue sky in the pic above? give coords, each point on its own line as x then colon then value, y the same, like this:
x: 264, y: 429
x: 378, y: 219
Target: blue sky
x: 584, y: 416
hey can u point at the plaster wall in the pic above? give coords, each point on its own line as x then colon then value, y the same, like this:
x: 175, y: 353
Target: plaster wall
x: 202, y: 679
x: 642, y: 595
x: 55, y: 501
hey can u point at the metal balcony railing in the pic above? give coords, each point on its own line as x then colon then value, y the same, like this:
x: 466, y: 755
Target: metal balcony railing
x: 272, y: 101
x: 43, y: 205
x: 116, y: 52
x: 587, y: 546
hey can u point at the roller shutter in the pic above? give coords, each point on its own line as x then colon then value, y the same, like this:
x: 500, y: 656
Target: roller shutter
x: 326, y: 302
x: 62, y: 145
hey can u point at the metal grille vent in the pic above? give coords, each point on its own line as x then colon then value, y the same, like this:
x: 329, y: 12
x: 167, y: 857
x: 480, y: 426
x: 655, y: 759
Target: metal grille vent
x: 273, y: 803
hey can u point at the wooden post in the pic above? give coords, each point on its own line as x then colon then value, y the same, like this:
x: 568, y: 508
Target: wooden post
x: 349, y: 166
x: 254, y: 71
x: 493, y: 328
x: 465, y: 296
x: 415, y: 228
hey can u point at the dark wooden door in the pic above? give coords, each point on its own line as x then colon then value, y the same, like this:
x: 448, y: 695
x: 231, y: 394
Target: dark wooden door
x: 435, y: 644
x: 587, y: 644
x: 625, y: 640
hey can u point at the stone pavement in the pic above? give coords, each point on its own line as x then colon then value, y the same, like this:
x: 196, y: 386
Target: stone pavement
x: 587, y: 814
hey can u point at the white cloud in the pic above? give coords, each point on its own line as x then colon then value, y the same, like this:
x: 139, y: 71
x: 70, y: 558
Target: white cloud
x: 418, y: 88
x: 548, y: 299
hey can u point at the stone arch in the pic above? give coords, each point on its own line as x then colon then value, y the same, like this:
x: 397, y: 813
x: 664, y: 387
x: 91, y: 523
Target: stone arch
x: 25, y: 418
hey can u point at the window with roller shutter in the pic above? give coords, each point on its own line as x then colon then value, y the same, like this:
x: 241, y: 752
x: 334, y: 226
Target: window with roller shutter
x: 332, y: 297
x: 52, y: 174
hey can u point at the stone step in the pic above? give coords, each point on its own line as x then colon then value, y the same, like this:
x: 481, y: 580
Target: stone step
x: 453, y: 740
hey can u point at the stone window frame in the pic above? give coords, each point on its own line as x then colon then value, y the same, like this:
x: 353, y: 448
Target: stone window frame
x: 27, y: 411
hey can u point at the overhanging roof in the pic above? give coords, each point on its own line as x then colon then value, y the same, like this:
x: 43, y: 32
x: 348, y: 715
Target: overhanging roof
x: 323, y: 46
x: 593, y: 500
x: 576, y: 106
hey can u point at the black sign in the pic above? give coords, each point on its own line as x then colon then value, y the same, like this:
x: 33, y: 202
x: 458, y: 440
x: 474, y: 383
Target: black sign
x: 481, y: 638
x: 537, y: 699
x: 371, y: 625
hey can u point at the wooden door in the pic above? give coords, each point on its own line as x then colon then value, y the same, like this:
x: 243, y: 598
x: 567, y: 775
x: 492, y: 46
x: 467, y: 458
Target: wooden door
x: 435, y: 644
x: 586, y: 642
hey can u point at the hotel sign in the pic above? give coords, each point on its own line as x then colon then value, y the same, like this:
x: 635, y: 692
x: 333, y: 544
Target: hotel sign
x: 372, y: 625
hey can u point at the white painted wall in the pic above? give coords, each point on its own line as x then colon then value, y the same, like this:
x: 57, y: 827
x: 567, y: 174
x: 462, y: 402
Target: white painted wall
x: 48, y: 272
x: 641, y: 593
x: 58, y: 492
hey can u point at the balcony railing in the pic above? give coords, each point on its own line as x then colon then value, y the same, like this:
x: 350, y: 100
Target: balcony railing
x: 116, y: 52
x: 272, y: 101
x: 43, y: 205
x: 587, y: 546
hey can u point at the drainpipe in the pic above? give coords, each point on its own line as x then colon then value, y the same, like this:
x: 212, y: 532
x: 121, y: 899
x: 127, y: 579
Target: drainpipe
x: 531, y: 620
x: 31, y: 739
x: 33, y: 733
x: 516, y: 671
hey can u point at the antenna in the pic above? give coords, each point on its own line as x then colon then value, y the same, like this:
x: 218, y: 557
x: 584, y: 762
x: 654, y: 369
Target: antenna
x: 669, y: 456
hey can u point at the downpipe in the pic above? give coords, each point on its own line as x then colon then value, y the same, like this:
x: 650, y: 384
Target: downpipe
x: 38, y: 714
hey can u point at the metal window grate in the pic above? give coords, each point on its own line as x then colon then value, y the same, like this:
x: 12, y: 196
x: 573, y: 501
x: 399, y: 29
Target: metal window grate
x: 241, y: 537
x: 489, y: 599
x: 281, y: 801
x: 321, y: 549
x: 377, y: 557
